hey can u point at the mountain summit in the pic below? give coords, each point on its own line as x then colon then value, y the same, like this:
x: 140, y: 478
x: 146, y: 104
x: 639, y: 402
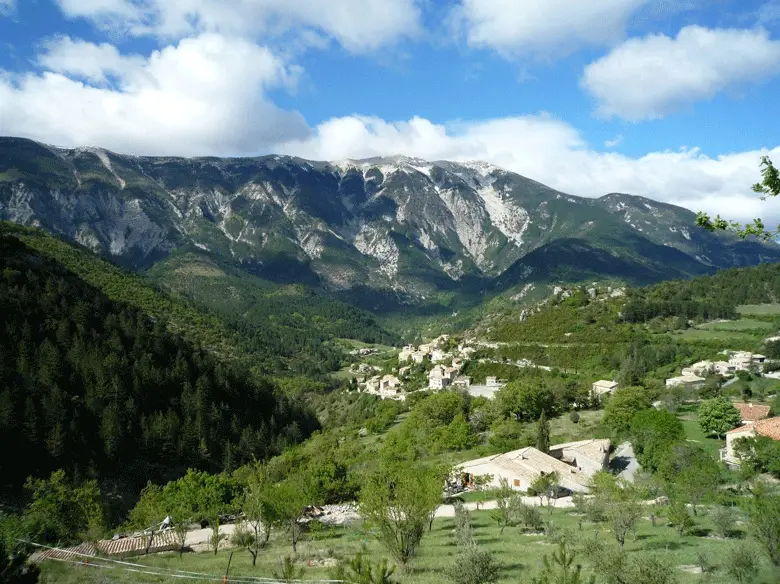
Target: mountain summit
x: 400, y: 225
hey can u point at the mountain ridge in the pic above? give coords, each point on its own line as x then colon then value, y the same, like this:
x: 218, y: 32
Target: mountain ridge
x: 399, y: 226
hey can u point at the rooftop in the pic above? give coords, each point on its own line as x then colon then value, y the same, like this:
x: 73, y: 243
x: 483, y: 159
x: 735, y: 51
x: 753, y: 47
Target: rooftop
x: 751, y: 412
x: 769, y: 427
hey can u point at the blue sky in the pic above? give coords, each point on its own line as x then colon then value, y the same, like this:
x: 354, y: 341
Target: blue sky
x: 674, y: 100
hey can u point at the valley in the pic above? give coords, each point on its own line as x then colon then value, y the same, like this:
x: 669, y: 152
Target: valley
x: 596, y: 386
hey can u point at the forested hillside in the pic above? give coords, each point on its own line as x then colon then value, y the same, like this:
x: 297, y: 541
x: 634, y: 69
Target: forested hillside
x: 274, y: 331
x: 705, y: 297
x: 101, y: 388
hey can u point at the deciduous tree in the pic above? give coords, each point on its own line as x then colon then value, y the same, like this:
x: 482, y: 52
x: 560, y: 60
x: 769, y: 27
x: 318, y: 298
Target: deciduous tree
x: 718, y: 416
x: 398, y: 501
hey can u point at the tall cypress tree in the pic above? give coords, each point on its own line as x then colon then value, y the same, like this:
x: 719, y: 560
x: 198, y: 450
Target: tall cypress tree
x: 543, y: 433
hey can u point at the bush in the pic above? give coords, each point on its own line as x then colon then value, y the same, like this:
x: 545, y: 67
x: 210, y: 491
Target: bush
x: 742, y: 563
x: 723, y: 519
x: 574, y: 417
x: 474, y: 566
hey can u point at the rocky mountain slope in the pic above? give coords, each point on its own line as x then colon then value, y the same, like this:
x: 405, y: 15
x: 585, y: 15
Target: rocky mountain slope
x: 365, y: 229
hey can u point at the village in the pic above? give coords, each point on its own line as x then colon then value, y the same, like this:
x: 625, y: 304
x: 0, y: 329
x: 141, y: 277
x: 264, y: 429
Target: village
x: 444, y: 360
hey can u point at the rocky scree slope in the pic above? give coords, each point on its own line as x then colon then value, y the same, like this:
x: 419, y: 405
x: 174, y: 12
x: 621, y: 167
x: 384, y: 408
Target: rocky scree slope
x: 368, y: 230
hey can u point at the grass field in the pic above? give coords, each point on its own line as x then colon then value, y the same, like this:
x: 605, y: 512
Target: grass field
x: 759, y: 309
x: 698, y: 334
x: 741, y: 325
x: 520, y: 554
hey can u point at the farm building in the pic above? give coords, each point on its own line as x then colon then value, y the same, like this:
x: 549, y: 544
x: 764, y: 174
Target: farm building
x: 575, y: 462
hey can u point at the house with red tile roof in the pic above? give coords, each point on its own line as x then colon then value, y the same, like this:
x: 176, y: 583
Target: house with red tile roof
x: 769, y: 427
x: 752, y: 412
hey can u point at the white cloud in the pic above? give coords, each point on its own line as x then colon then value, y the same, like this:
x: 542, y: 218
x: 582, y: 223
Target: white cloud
x: 650, y: 77
x: 7, y: 6
x: 541, y: 26
x: 616, y: 141
x: 356, y: 24
x: 90, y: 61
x: 550, y: 151
x: 204, y: 95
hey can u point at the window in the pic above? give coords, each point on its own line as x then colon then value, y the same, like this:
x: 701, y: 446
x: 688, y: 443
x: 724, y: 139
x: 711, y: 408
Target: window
x: 517, y: 483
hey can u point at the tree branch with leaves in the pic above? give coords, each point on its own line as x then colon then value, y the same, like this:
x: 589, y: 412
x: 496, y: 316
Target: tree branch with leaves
x: 768, y: 187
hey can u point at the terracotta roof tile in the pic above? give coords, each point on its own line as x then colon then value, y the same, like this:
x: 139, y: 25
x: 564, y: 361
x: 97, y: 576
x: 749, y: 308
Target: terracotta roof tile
x: 741, y: 428
x: 752, y: 412
x: 769, y: 427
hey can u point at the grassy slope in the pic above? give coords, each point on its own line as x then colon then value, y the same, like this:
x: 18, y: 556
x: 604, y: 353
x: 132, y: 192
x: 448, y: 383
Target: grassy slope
x: 520, y: 554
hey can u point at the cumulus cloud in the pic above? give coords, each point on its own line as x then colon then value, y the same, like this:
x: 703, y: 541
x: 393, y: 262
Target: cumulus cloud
x: 204, y: 95
x: 357, y: 25
x: 616, y: 141
x: 551, y: 151
x: 650, y: 77
x: 536, y: 26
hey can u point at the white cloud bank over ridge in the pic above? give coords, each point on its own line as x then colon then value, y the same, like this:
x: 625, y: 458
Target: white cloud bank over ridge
x: 207, y: 95
x: 553, y: 152
x: 358, y: 25
x: 650, y: 77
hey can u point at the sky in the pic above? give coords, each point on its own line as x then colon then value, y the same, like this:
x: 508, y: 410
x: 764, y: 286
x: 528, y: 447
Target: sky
x: 675, y: 100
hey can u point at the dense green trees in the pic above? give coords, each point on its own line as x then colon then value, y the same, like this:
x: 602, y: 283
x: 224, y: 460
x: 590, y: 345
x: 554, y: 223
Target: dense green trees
x: 61, y: 512
x: 652, y: 432
x: 718, y: 416
x: 621, y: 407
x: 101, y: 389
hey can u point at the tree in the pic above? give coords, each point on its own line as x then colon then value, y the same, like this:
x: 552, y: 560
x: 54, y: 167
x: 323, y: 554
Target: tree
x: 289, y: 500
x: 474, y: 566
x: 621, y: 407
x: 360, y: 570
x: 559, y: 569
x: 768, y: 187
x: 742, y: 563
x: 718, y: 416
x: 543, y: 434
x: 505, y: 498
x: 620, y: 503
x: 679, y: 517
x: 215, y: 539
x: 464, y: 532
x: 547, y: 486
x: 764, y: 513
x: 399, y: 501
x: 698, y: 478
x: 259, y: 510
x: 723, y: 519
x: 652, y: 431
x: 288, y: 572
x: 61, y: 512
x: 651, y: 569
x: 525, y: 400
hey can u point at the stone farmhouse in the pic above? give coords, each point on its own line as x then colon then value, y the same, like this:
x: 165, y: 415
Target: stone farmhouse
x: 575, y: 463
x: 603, y: 386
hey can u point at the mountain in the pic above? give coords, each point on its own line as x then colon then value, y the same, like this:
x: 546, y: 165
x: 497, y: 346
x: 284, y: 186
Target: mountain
x: 381, y: 233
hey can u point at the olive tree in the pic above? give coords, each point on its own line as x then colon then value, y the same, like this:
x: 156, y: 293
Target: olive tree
x: 398, y: 501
